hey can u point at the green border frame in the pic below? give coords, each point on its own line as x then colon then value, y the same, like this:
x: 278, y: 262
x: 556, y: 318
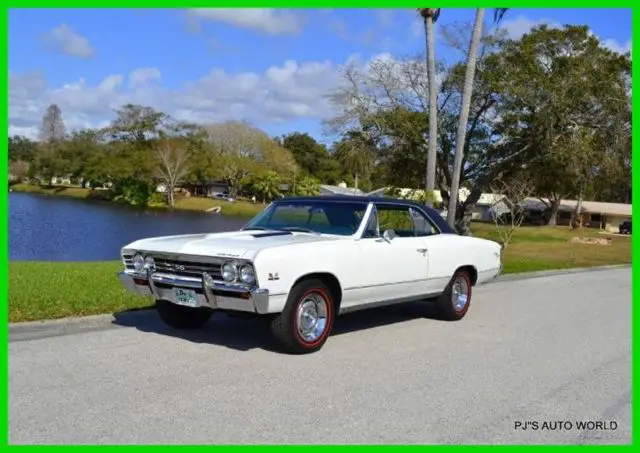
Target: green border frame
x: 297, y: 4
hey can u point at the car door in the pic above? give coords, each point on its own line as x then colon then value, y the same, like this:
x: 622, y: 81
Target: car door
x: 394, y: 268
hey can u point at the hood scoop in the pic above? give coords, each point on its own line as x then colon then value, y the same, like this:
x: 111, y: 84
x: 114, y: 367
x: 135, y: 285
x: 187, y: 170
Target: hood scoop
x: 272, y: 233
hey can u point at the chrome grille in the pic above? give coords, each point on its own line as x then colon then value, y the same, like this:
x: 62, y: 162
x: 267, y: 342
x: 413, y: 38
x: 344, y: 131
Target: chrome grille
x: 187, y: 268
x: 181, y: 267
x: 127, y: 260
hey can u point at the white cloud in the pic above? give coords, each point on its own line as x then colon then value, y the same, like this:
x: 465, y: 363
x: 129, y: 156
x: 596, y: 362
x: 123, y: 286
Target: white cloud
x: 517, y: 27
x: 31, y: 132
x: 288, y: 92
x: 616, y: 46
x: 64, y: 40
x: 142, y: 76
x: 264, y: 20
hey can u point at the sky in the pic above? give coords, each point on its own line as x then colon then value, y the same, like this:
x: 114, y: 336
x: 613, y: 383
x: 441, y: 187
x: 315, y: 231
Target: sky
x: 272, y: 68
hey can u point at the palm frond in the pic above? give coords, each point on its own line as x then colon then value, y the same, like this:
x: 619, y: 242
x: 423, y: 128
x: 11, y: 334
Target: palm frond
x: 498, y: 14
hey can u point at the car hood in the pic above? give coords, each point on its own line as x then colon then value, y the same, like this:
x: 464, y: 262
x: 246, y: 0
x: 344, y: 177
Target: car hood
x: 236, y: 244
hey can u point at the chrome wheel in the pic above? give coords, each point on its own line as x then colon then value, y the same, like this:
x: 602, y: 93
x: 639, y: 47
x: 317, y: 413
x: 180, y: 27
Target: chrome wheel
x: 311, y: 317
x: 460, y: 293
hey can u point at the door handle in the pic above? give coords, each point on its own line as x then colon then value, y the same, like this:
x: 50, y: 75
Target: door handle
x: 421, y: 250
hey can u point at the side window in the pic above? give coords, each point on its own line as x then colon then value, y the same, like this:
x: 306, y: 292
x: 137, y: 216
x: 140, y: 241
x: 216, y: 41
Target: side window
x: 396, y: 218
x: 422, y: 225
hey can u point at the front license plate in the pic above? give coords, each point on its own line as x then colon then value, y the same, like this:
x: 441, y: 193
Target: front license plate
x: 185, y: 297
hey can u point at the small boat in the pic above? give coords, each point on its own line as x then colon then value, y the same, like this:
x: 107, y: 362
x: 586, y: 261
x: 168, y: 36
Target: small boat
x: 215, y: 209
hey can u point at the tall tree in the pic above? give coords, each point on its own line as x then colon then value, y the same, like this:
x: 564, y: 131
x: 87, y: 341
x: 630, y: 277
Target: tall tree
x: 52, y: 128
x: 567, y: 100
x: 136, y: 125
x: 464, y: 115
x: 313, y: 158
x: 354, y: 153
x: 430, y: 16
x: 22, y: 149
x: 172, y: 157
x: 267, y: 186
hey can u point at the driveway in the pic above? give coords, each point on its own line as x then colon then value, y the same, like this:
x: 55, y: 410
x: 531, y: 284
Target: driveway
x: 551, y: 349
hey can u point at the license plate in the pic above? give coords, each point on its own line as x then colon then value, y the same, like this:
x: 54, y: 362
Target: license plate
x: 185, y: 297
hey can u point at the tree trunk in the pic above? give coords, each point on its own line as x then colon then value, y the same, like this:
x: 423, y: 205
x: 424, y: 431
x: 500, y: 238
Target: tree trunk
x: 464, y: 115
x: 464, y: 214
x: 578, y: 220
x: 170, y: 195
x: 433, y: 110
x: 553, y: 212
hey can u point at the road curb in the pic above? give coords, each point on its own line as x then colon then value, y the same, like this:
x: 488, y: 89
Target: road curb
x: 32, y: 330
x: 556, y: 272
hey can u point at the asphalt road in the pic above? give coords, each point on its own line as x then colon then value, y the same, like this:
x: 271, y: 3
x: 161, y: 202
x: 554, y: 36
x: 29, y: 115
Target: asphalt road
x: 554, y: 349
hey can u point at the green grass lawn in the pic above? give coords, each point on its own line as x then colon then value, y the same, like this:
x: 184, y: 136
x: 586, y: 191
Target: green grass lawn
x: 48, y: 290
x: 45, y: 290
x: 240, y: 208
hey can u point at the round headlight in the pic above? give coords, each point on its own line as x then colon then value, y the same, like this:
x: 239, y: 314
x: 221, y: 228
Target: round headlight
x: 229, y: 272
x: 150, y: 264
x: 138, y: 262
x: 247, y: 275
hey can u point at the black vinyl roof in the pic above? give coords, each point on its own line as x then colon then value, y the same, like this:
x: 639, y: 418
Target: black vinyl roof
x: 364, y: 199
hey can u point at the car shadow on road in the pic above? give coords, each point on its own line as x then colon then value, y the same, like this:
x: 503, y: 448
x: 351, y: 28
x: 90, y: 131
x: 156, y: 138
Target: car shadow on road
x: 244, y: 334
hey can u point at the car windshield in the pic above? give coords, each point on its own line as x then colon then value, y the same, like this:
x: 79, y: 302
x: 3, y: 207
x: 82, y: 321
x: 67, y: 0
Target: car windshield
x: 329, y: 217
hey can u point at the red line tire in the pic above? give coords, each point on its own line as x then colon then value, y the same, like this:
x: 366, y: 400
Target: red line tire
x: 452, y: 305
x: 309, y: 300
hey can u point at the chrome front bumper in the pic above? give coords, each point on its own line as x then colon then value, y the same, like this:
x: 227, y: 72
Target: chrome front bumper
x: 221, y: 296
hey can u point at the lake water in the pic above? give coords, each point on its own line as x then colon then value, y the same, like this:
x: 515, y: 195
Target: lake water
x: 47, y: 228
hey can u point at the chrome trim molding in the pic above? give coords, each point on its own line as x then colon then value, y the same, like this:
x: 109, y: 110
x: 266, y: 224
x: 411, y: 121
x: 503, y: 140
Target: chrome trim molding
x: 388, y: 284
x: 388, y: 302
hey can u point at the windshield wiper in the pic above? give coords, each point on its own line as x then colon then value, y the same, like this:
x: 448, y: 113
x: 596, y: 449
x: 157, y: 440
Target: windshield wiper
x: 298, y: 229
x: 255, y: 228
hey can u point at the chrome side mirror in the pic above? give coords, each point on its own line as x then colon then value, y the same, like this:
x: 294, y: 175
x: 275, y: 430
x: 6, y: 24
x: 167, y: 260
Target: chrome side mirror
x: 388, y: 235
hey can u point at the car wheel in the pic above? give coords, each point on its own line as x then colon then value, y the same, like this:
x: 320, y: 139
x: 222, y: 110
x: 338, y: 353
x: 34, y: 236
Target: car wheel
x: 454, y: 303
x: 180, y: 317
x: 307, y: 319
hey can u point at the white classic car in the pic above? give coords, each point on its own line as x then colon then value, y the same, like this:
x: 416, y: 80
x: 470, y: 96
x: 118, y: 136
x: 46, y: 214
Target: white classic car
x: 305, y: 260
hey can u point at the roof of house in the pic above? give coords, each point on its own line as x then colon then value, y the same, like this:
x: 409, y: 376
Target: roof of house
x: 594, y: 207
x: 342, y: 190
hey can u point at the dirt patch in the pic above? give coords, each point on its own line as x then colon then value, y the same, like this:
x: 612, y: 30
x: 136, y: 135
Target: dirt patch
x: 591, y: 240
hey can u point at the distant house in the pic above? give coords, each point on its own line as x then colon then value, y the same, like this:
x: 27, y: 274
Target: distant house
x: 595, y: 214
x: 204, y: 189
x: 340, y: 189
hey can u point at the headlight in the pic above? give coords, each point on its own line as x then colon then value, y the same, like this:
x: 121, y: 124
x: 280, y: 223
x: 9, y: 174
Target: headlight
x: 138, y: 262
x: 229, y: 272
x: 247, y: 275
x: 149, y: 263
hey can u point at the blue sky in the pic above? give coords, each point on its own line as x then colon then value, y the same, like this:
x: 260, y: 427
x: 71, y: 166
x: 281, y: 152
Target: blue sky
x: 272, y: 68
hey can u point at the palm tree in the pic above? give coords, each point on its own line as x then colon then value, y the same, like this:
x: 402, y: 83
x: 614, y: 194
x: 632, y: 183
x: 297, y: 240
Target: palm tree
x: 430, y: 16
x: 268, y: 186
x: 308, y: 186
x: 467, y: 91
x: 353, y: 153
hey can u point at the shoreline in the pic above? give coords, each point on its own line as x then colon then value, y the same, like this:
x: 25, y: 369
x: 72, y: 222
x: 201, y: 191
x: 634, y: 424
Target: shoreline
x: 203, y: 205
